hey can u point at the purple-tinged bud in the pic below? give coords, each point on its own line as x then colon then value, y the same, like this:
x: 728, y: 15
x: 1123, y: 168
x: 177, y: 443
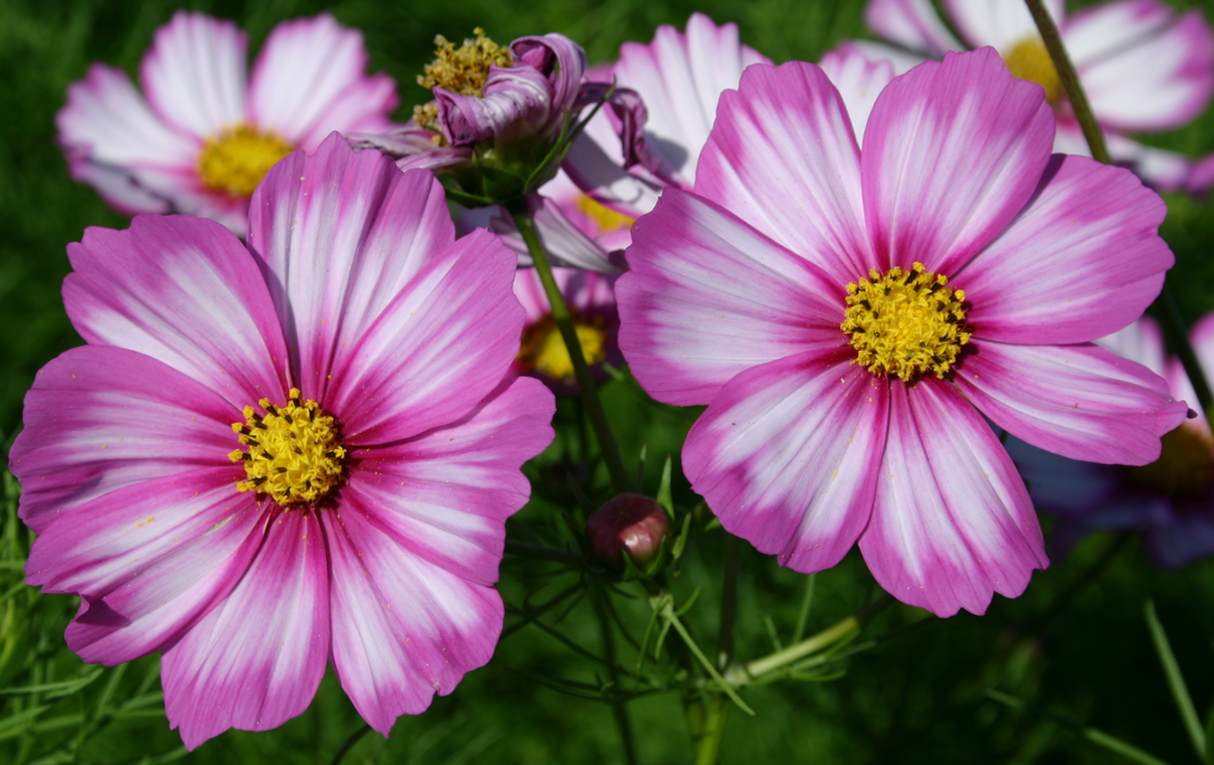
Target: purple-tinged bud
x: 633, y: 522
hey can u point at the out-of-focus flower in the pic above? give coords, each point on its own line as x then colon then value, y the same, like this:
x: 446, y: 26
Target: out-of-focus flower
x: 836, y: 308
x: 591, y: 303
x: 263, y: 460
x: 630, y: 523
x: 1144, y: 67
x: 1171, y: 499
x: 206, y: 133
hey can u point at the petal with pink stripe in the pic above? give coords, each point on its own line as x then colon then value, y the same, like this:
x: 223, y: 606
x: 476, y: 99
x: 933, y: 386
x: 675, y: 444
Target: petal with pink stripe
x: 952, y: 523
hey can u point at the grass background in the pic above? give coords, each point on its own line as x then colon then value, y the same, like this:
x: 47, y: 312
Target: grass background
x: 1076, y: 642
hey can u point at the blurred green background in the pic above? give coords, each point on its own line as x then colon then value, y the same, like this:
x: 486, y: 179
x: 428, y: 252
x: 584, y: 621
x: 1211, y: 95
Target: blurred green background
x: 1076, y: 643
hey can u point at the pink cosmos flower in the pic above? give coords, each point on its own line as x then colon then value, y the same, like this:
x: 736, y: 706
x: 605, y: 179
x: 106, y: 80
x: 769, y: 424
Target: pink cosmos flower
x: 267, y: 459
x: 843, y: 311
x: 1171, y: 499
x: 1144, y: 67
x: 207, y: 132
x: 591, y: 303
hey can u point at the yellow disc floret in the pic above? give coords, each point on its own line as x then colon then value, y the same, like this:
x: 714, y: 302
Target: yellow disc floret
x: 237, y: 160
x: 1029, y: 60
x: 1185, y: 468
x: 544, y: 350
x: 605, y: 218
x: 462, y: 71
x: 294, y: 453
x: 906, y: 324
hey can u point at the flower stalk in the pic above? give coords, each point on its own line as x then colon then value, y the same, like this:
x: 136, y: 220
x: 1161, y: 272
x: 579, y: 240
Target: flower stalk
x: 1172, y: 320
x: 581, y: 371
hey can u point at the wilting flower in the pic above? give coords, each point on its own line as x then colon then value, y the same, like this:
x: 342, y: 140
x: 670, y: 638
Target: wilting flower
x: 1144, y: 67
x: 591, y: 303
x: 1171, y: 499
x: 836, y: 308
x: 263, y: 460
x: 207, y: 133
x: 502, y: 100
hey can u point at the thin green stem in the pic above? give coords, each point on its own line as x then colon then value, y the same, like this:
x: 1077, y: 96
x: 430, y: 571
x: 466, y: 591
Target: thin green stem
x: 1173, y: 323
x: 806, y: 603
x: 1070, y: 81
x: 1176, y: 683
x: 620, y: 710
x: 581, y: 371
x: 813, y: 644
x: 729, y: 602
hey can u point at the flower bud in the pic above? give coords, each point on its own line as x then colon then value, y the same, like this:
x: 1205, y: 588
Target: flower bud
x: 632, y: 522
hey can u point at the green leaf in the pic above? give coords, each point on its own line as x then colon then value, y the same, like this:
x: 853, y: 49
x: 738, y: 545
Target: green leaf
x: 1176, y: 683
x: 663, y: 496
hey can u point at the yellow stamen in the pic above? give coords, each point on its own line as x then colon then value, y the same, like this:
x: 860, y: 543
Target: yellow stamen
x: 239, y: 158
x: 544, y: 350
x: 605, y: 218
x: 1029, y: 60
x: 462, y: 71
x: 905, y: 324
x: 1185, y: 468
x: 294, y: 455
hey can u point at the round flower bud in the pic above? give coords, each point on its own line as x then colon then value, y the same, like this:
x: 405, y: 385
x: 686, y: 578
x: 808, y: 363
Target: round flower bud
x: 632, y: 522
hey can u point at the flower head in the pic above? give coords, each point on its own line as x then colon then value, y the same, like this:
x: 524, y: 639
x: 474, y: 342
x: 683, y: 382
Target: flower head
x: 1144, y: 67
x: 202, y: 134
x: 265, y: 458
x: 495, y: 115
x: 631, y: 523
x: 849, y: 315
x: 591, y: 303
x: 1171, y: 499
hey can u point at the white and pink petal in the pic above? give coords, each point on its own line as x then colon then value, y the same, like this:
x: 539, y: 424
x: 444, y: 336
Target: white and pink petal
x: 194, y: 74
x: 1079, y: 401
x: 256, y: 659
x: 404, y: 629
x: 952, y: 523
x: 1081, y: 260
x: 952, y: 152
x: 784, y: 158
x: 708, y: 296
x: 786, y: 454
x: 309, y: 80
x: 184, y: 291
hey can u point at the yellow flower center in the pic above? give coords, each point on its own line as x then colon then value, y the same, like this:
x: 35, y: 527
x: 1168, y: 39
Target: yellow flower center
x: 544, y: 350
x: 605, y: 218
x: 236, y: 162
x: 905, y: 323
x: 1029, y: 60
x: 1185, y: 467
x: 294, y: 453
x: 239, y: 158
x: 462, y: 71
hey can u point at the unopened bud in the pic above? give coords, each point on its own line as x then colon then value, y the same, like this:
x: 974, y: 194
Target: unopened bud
x: 632, y: 522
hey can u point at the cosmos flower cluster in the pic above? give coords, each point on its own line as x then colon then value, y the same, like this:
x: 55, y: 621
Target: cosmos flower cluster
x: 296, y: 429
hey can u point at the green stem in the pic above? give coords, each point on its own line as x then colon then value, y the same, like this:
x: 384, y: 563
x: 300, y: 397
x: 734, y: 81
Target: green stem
x: 619, y: 709
x: 581, y: 371
x: 729, y: 602
x: 1173, y: 323
x: 1070, y: 81
x: 706, y: 722
x: 813, y: 644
